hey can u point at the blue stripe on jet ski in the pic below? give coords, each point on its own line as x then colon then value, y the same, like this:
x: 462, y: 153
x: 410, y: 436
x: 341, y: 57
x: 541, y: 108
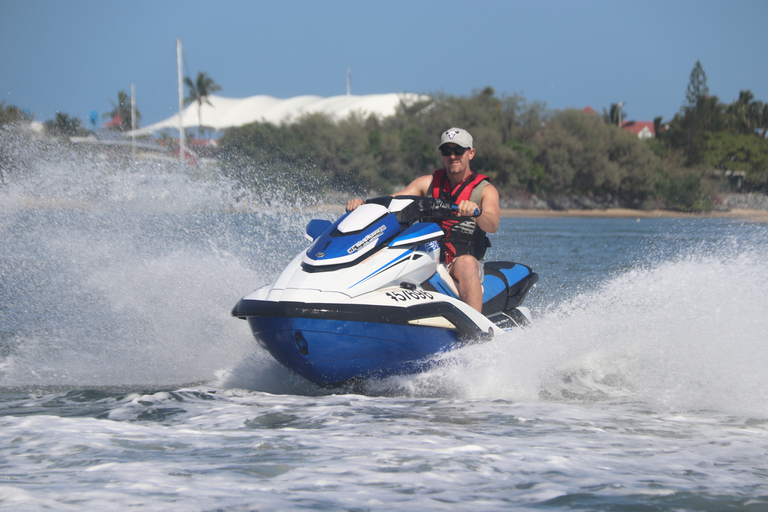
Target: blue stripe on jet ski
x: 392, y: 263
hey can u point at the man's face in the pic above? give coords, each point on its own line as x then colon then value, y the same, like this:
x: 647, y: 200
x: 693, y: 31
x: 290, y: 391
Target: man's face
x: 456, y: 164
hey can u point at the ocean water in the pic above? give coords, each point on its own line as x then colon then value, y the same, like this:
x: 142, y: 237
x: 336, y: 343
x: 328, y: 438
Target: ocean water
x: 125, y: 382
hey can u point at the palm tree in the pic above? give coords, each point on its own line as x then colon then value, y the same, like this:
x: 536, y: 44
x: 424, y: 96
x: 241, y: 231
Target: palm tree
x: 120, y: 115
x: 199, y: 90
x: 742, y: 112
x: 764, y: 119
x: 754, y: 114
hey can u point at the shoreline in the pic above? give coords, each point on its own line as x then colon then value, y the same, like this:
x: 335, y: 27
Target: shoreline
x: 628, y: 213
x: 604, y: 213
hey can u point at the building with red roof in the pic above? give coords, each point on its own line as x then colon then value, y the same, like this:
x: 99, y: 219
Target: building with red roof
x: 643, y: 129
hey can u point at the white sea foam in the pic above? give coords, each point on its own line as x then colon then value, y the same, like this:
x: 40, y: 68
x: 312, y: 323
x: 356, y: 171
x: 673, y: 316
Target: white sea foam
x: 125, y: 274
x: 214, y: 449
x: 684, y: 334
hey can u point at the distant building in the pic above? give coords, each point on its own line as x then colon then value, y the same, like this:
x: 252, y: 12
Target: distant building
x: 643, y: 129
x: 115, y: 122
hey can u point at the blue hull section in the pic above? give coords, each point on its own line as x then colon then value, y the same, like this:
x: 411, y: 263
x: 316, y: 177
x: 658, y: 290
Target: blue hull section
x: 329, y: 352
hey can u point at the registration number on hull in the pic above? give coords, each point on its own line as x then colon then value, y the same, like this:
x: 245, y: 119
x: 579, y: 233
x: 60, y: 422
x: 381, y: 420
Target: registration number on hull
x: 406, y: 295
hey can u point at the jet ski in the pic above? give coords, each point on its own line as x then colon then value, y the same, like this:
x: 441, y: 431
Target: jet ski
x: 369, y: 297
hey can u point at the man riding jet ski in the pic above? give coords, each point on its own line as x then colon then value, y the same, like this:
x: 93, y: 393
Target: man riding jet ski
x: 478, y: 212
x: 370, y: 296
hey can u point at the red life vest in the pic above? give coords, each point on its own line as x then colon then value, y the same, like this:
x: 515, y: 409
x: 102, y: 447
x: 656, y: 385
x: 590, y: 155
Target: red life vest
x: 462, y: 234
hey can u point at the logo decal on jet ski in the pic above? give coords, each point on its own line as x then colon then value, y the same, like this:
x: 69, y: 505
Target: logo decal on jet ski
x: 368, y: 239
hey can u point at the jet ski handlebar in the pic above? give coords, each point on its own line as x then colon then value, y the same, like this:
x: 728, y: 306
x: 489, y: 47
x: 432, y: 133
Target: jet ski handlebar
x: 411, y: 209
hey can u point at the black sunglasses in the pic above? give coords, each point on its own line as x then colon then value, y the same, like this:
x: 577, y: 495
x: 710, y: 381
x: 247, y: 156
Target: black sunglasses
x: 456, y: 150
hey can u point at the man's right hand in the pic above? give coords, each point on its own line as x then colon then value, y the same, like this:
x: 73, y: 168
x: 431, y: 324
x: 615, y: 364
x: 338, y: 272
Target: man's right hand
x: 354, y: 203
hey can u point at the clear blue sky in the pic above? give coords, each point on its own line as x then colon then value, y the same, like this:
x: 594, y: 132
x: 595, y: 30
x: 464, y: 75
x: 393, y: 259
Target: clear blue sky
x: 74, y: 56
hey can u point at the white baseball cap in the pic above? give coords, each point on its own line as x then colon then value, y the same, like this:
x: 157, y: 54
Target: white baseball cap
x: 458, y: 136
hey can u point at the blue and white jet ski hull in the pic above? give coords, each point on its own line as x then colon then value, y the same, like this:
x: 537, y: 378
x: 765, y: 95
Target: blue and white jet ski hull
x: 369, y: 299
x: 329, y: 352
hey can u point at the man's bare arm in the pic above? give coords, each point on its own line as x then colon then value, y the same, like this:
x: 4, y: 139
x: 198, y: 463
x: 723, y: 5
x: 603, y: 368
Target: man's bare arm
x: 490, y: 217
x: 417, y: 187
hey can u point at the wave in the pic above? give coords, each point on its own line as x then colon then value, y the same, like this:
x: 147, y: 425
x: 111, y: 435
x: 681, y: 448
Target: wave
x: 686, y: 334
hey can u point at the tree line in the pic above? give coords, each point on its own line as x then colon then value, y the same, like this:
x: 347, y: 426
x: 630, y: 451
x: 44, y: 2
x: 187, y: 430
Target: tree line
x: 707, y: 148
x: 521, y: 146
x: 525, y: 148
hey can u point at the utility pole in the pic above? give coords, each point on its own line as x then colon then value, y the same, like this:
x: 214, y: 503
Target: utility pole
x: 133, y: 122
x: 620, y: 105
x: 181, y: 100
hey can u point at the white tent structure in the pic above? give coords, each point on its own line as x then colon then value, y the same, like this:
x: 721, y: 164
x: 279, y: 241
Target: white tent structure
x: 224, y: 113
